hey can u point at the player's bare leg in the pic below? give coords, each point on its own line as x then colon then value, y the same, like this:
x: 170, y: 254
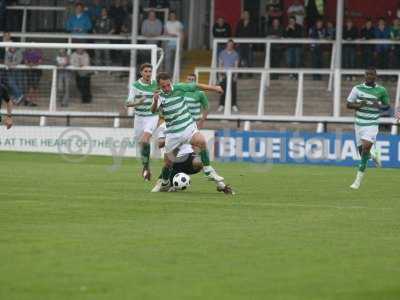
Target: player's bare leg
x: 365, y: 156
x: 199, y: 141
x: 145, y: 155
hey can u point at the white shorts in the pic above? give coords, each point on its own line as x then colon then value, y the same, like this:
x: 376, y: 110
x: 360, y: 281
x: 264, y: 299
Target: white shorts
x: 366, y: 133
x: 161, y: 131
x: 175, y: 140
x: 144, y: 124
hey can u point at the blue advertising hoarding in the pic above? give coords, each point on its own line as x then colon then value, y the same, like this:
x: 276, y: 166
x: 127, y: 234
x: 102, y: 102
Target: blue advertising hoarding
x: 300, y: 147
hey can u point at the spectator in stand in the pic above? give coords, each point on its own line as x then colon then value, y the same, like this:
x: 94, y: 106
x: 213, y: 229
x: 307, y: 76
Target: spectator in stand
x: 126, y: 55
x: 14, y: 17
x: 127, y: 6
x: 330, y: 31
x: 151, y: 27
x: 314, y: 10
x: 6, y: 38
x: 80, y: 58
x: 118, y: 15
x: 276, y: 11
x: 227, y: 59
x: 367, y: 33
x: 246, y: 28
x: 350, y: 33
x: 297, y: 10
x: 221, y: 29
x: 14, y: 57
x: 271, y: 12
x: 64, y: 76
x: 275, y: 32
x: 103, y: 25
x: 317, y: 32
x: 79, y: 22
x: 173, y: 28
x: 293, y: 51
x: 395, y: 35
x: 159, y: 3
x: 382, y: 51
x: 32, y: 58
x: 95, y: 10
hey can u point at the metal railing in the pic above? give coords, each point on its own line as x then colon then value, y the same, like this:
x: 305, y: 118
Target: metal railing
x: 267, y: 58
x: 300, y: 88
x: 71, y: 37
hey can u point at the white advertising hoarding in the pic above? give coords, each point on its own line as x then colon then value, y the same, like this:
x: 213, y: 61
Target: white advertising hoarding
x: 78, y: 140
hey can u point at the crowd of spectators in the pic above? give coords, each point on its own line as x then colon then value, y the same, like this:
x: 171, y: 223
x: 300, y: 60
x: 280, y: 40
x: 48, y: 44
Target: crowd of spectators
x: 296, y: 23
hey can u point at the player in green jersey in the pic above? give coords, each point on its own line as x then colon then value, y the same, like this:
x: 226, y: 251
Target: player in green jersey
x: 368, y: 100
x: 145, y: 123
x: 181, y: 128
x: 197, y: 103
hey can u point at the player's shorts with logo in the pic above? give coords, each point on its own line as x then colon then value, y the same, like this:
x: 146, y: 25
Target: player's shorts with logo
x: 367, y: 133
x: 144, y: 124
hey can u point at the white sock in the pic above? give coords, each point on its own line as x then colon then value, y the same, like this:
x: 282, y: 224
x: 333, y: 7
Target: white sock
x: 360, y: 176
x: 208, y: 169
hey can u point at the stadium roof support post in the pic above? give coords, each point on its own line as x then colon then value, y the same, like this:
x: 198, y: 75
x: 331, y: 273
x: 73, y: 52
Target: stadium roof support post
x: 134, y: 34
x: 338, y: 58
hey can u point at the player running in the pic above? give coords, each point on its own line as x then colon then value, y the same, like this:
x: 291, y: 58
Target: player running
x: 4, y: 96
x: 181, y: 128
x: 368, y: 100
x: 187, y: 161
x: 145, y: 123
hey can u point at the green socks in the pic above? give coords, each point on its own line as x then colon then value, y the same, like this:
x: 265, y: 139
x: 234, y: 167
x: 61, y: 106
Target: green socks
x: 205, y: 157
x: 364, y: 161
x: 165, y: 173
x: 145, y: 153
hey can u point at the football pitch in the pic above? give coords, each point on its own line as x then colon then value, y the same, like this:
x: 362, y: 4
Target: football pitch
x: 92, y: 230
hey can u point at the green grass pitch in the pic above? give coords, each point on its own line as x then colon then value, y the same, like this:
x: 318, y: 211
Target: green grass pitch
x: 87, y: 231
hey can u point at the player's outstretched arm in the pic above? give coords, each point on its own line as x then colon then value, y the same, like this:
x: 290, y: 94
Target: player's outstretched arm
x: 211, y: 88
x: 355, y: 105
x: 135, y: 102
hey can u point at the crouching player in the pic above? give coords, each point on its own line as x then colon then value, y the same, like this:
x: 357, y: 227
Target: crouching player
x: 188, y: 162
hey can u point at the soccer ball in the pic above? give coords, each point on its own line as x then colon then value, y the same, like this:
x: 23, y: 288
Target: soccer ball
x: 181, y: 181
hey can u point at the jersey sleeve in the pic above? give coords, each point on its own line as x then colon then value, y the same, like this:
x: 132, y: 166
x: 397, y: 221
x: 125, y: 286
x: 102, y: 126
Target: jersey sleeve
x: 203, y: 100
x: 384, y: 97
x: 353, y: 95
x: 186, y: 87
x: 131, y: 96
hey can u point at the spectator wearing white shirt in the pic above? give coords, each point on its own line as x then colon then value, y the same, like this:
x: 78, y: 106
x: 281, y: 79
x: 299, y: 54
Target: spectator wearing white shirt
x: 173, y: 28
x: 297, y: 10
x: 64, y: 76
x: 80, y: 58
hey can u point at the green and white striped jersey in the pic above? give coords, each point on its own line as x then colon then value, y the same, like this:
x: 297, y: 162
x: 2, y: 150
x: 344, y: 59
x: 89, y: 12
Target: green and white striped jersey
x: 368, y: 116
x: 196, y: 101
x: 138, y: 90
x: 174, y: 109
